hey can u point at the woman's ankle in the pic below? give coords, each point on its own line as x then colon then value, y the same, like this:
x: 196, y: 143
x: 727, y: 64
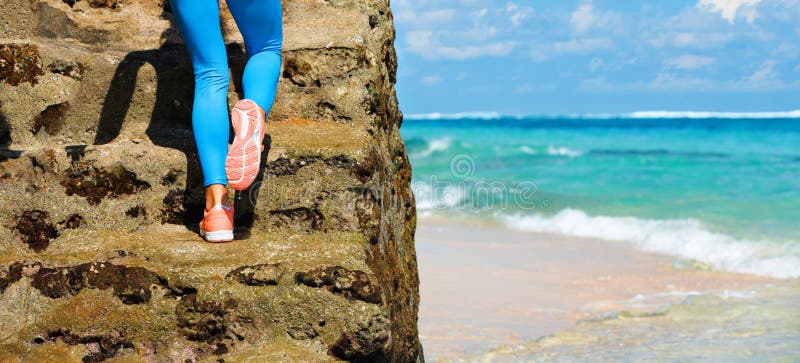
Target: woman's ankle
x: 217, y: 194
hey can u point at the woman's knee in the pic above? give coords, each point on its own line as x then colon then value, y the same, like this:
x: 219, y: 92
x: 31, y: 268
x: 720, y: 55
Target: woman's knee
x: 261, y: 24
x: 212, y: 77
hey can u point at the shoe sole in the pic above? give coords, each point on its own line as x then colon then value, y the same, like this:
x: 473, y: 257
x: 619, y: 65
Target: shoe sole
x: 217, y: 236
x: 244, y: 157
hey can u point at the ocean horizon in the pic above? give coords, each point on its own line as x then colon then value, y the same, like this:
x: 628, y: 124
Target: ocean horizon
x: 651, y: 114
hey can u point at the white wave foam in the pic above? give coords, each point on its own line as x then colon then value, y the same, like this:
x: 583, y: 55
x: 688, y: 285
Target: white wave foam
x: 429, y: 198
x: 794, y: 114
x: 701, y: 115
x: 638, y: 298
x: 563, y: 151
x: 434, y: 145
x: 686, y: 238
x: 454, y: 116
x: 527, y: 150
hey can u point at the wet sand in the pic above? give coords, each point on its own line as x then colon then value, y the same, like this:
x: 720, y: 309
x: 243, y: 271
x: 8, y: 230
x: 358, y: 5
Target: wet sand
x: 483, y: 287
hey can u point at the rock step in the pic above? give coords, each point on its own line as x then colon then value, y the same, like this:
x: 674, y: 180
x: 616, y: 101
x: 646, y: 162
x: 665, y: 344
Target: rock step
x: 160, y: 288
x: 317, y: 177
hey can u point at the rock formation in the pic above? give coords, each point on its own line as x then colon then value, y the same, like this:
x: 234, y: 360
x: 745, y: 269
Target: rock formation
x: 100, y: 193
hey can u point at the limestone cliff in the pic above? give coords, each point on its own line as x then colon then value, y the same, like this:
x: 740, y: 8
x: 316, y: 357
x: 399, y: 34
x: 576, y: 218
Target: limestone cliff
x: 100, y: 193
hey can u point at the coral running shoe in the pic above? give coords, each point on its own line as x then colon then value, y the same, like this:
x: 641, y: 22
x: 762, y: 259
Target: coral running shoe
x: 244, y: 156
x: 217, y: 224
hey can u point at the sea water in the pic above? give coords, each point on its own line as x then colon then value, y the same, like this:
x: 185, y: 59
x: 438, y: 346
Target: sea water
x: 722, y: 189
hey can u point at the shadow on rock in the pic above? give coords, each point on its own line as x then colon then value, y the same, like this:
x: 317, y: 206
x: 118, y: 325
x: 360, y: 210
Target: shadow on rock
x: 5, y: 141
x: 244, y: 203
x: 5, y: 132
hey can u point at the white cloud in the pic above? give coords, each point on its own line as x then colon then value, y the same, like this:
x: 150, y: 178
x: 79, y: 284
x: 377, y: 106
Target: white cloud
x: 572, y: 46
x: 729, y: 9
x: 432, y: 79
x: 586, y: 17
x: 598, y: 65
x: 671, y: 82
x: 787, y: 50
x: 582, y: 46
x: 691, y: 40
x: 583, y: 18
x: 426, y: 18
x: 764, y: 73
x: 427, y: 44
x: 517, y: 14
x: 689, y: 62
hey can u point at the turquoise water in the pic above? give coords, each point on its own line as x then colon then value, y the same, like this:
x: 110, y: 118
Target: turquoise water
x: 725, y: 191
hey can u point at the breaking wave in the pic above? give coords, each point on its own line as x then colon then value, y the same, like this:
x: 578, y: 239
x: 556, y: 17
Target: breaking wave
x: 687, y: 238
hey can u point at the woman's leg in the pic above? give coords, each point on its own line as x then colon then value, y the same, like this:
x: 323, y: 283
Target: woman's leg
x: 198, y: 21
x: 261, y: 25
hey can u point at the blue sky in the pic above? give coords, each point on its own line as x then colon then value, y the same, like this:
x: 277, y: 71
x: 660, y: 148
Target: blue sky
x: 563, y: 56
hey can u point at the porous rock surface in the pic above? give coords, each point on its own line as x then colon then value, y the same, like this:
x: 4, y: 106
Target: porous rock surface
x: 100, y: 194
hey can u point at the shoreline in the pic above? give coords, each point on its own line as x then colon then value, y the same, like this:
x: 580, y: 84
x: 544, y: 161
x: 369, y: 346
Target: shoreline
x: 484, y: 286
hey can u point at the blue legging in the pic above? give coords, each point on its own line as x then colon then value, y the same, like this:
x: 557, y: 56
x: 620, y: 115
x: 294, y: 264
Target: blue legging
x: 260, y: 22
